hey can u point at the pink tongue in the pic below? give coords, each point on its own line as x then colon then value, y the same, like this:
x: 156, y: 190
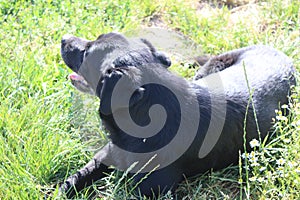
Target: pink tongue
x: 75, y: 77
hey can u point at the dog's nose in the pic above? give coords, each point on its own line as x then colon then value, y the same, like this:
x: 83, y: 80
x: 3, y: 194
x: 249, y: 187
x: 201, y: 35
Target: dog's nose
x: 65, y: 38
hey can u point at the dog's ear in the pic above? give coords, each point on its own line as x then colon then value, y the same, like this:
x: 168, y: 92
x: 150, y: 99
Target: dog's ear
x: 158, y: 55
x: 162, y: 58
x: 109, y: 86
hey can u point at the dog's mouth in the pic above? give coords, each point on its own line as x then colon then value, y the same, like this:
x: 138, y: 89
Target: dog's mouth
x: 81, y: 84
x: 76, y: 77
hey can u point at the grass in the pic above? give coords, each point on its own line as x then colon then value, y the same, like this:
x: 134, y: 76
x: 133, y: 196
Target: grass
x: 48, y: 130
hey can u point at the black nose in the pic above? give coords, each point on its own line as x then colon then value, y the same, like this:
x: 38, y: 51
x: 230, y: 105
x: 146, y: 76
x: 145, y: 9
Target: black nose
x: 63, y: 41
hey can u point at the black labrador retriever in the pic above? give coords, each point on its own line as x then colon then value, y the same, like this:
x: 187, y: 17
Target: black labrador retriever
x: 163, y: 127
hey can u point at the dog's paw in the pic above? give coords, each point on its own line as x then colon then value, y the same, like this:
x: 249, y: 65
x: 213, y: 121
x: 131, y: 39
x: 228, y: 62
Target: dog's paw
x: 66, y: 189
x: 63, y: 188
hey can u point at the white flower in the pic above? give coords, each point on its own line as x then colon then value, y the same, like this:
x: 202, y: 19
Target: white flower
x: 260, y: 179
x: 280, y: 162
x: 252, y: 154
x: 244, y: 155
x: 262, y: 169
x: 255, y: 164
x: 282, y: 118
x: 252, y: 179
x: 254, y: 143
x: 279, y: 112
x: 246, y: 167
x: 292, y: 164
x: 280, y: 169
x: 284, y: 106
x: 253, y: 160
x: 286, y: 140
x: 269, y: 174
x: 296, y: 182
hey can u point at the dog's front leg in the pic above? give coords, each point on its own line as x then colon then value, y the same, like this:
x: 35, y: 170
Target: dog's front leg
x: 91, y: 172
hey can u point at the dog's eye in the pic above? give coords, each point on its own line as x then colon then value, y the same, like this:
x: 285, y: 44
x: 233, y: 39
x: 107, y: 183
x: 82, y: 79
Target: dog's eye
x: 88, y: 45
x: 86, y: 48
x: 109, y: 71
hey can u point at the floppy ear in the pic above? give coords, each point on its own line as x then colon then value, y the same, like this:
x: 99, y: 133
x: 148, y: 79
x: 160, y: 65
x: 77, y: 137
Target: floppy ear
x: 162, y: 58
x: 159, y: 56
x: 108, y: 87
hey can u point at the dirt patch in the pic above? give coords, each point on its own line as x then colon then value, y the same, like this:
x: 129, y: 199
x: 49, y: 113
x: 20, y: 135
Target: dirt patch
x: 242, y: 11
x: 221, y: 3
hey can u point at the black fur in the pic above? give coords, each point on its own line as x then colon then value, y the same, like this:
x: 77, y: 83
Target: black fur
x: 269, y: 72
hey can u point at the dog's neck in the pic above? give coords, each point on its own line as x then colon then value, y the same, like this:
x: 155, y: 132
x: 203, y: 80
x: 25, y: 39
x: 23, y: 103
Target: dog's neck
x: 165, y: 97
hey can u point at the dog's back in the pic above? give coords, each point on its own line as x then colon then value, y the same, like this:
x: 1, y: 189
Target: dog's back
x: 257, y: 72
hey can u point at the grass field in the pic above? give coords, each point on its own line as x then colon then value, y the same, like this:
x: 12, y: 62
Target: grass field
x: 48, y: 130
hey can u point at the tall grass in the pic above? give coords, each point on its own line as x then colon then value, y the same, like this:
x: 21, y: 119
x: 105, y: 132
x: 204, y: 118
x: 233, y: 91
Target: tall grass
x: 48, y: 130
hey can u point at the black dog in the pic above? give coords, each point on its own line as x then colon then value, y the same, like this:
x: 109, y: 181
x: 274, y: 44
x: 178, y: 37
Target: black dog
x: 163, y: 127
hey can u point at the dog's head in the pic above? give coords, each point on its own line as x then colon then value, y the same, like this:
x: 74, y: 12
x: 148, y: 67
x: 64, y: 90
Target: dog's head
x: 92, y: 61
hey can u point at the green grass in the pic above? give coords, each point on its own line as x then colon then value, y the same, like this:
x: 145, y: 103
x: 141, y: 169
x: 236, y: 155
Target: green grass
x: 48, y: 130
